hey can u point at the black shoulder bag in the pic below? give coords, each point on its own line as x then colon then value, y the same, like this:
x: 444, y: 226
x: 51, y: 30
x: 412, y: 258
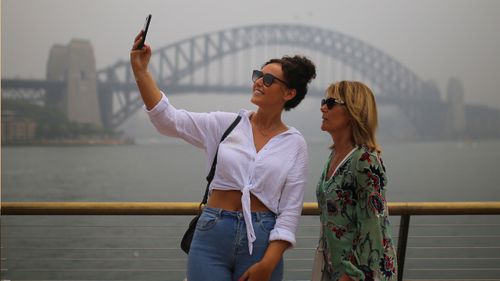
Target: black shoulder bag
x: 188, y: 236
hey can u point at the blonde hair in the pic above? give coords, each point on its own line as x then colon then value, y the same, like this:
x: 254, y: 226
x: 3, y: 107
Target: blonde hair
x: 362, y: 108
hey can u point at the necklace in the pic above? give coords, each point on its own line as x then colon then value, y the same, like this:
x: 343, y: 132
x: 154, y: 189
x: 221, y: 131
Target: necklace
x: 337, y: 160
x: 270, y: 130
x: 333, y: 164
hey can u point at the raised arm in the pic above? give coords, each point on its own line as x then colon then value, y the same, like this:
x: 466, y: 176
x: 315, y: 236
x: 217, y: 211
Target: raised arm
x: 139, y: 59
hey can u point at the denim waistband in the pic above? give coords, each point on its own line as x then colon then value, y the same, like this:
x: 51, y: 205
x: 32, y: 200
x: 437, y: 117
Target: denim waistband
x: 238, y: 214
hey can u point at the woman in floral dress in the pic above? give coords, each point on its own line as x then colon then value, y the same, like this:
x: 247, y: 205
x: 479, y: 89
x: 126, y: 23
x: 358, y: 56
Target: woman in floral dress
x: 355, y: 234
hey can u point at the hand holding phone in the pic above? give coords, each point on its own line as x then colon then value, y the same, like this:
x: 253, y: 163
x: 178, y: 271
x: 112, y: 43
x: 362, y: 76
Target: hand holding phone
x: 145, y: 32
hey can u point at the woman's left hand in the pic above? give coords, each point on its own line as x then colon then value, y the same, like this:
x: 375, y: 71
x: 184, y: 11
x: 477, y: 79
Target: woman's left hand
x: 258, y: 272
x: 139, y: 58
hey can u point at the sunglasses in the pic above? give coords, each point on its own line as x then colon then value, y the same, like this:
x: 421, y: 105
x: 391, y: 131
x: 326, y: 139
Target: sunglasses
x: 331, y: 102
x: 267, y: 78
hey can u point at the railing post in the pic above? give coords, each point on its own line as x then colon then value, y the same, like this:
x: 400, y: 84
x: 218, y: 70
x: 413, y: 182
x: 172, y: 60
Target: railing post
x: 404, y: 226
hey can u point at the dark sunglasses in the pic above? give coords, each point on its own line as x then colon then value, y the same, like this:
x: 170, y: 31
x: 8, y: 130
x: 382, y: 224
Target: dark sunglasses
x: 331, y: 102
x: 267, y: 78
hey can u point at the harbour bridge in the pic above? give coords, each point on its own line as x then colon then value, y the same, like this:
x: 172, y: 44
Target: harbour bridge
x: 221, y: 62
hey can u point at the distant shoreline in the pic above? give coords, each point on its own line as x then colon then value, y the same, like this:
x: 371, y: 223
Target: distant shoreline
x: 71, y: 142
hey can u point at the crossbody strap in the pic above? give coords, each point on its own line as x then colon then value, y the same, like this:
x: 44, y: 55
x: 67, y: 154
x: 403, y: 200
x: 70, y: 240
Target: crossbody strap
x: 214, y: 163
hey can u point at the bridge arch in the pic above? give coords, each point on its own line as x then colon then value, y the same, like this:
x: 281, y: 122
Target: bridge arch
x: 171, y: 63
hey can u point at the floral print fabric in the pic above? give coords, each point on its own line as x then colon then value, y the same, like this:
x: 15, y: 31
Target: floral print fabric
x: 354, y: 218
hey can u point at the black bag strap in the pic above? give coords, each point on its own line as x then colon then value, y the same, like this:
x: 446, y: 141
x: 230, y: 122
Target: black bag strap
x: 214, y: 163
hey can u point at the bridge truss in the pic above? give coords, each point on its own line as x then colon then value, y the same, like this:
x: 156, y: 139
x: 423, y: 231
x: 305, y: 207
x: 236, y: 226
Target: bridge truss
x: 178, y: 67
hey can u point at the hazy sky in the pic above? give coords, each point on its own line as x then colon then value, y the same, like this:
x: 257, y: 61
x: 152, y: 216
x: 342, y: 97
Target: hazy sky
x: 435, y: 39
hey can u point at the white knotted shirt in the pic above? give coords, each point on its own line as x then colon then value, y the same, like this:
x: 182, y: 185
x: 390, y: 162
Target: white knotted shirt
x: 276, y: 174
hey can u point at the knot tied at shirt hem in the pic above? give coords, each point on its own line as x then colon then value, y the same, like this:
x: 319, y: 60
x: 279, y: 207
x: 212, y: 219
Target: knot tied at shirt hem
x: 247, y: 215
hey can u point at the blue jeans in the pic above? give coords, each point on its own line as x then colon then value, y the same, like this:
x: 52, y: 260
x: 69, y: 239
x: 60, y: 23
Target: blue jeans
x: 219, y: 250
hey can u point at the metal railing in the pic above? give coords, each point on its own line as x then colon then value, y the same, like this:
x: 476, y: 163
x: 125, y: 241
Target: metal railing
x: 403, y: 209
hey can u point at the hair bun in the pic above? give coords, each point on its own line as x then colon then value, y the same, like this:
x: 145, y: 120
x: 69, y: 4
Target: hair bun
x: 306, y: 66
x: 298, y: 71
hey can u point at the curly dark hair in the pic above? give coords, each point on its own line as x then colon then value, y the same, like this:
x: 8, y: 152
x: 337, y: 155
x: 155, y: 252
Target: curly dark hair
x: 298, y: 71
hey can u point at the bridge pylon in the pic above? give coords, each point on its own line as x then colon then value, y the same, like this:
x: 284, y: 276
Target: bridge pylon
x: 75, y: 65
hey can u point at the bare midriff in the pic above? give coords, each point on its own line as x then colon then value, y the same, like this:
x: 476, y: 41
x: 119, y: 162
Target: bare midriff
x: 231, y: 200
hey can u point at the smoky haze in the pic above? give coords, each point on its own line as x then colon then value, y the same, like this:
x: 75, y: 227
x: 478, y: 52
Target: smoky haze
x: 437, y: 40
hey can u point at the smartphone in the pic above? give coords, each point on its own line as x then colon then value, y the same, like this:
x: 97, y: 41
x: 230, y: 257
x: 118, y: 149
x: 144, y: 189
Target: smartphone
x: 145, y: 29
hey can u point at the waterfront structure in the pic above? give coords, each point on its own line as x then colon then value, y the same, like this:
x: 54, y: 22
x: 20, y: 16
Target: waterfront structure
x: 16, y: 128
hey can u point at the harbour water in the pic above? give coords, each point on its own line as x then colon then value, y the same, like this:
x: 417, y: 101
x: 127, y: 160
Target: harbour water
x: 425, y: 171
x: 146, y: 248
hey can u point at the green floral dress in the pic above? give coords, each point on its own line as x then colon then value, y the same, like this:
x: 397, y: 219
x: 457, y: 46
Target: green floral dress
x: 354, y: 218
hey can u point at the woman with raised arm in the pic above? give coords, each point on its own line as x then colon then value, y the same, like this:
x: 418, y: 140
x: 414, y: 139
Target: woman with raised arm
x: 356, y: 236
x: 257, y: 192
